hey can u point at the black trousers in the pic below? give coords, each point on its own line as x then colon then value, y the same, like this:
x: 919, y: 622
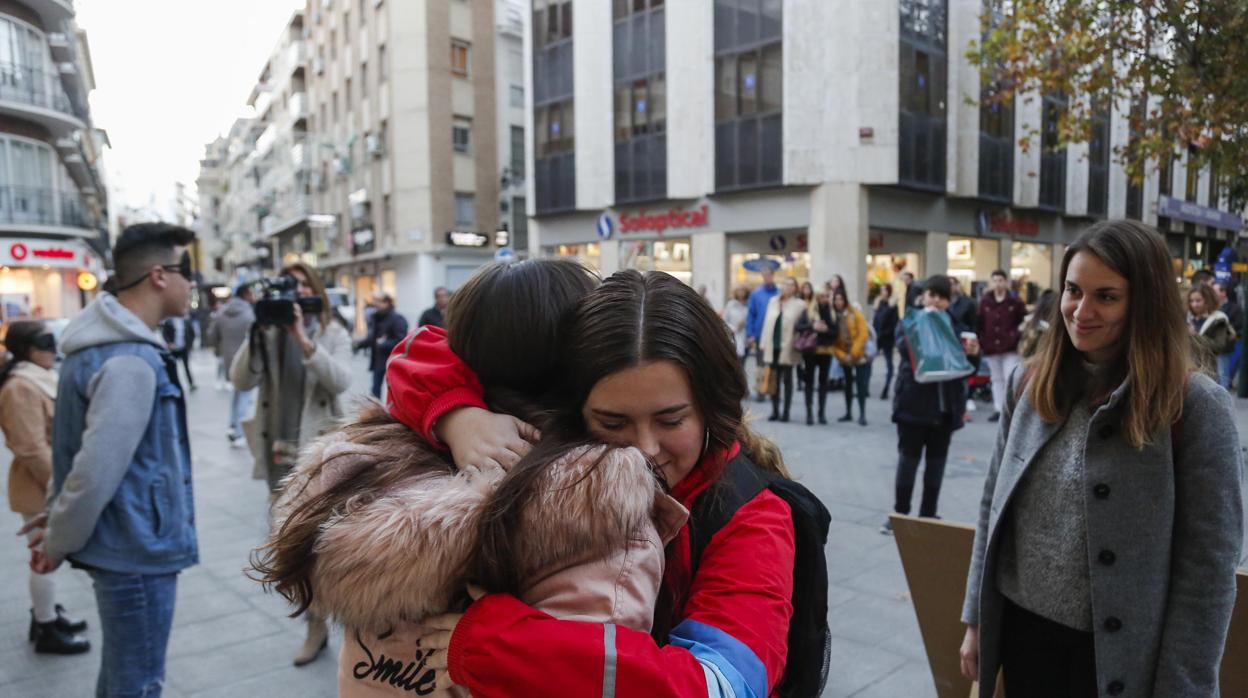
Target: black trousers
x: 856, y: 378
x: 783, y: 390
x: 185, y: 357
x: 912, y: 441
x: 1041, y: 659
x: 810, y: 364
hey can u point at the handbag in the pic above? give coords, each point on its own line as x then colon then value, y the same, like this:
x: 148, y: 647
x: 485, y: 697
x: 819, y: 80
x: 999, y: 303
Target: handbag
x: 765, y: 381
x: 936, y: 354
x: 807, y: 341
x: 871, y: 348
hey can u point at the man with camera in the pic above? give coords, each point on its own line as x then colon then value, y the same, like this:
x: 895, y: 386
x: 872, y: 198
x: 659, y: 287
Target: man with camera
x: 386, y: 329
x: 121, y: 504
x: 299, y: 356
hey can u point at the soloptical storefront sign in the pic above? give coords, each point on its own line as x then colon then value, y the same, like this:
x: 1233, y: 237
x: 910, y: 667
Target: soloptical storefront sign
x: 660, y: 222
x: 33, y: 252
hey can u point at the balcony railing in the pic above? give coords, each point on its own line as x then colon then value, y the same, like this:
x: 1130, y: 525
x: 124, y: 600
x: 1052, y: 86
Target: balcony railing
x: 33, y: 86
x: 41, y: 206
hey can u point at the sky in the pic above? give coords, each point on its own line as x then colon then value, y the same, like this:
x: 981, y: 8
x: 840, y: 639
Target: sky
x: 172, y: 75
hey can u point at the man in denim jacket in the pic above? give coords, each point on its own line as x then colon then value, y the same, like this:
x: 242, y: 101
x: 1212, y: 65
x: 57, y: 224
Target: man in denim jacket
x: 121, y: 505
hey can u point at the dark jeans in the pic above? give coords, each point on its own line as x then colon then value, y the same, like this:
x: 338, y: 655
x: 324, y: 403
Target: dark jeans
x: 185, y: 357
x: 378, y: 378
x: 1040, y: 658
x: 887, y: 353
x: 812, y: 363
x: 136, y: 613
x: 857, y: 379
x: 912, y: 441
x: 783, y: 390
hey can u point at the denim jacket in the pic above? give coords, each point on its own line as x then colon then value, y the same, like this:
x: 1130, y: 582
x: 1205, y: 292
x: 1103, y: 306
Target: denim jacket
x: 121, y: 486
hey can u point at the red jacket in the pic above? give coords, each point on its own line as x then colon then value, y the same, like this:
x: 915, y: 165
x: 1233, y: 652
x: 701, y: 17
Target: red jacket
x: 999, y: 323
x: 729, y: 635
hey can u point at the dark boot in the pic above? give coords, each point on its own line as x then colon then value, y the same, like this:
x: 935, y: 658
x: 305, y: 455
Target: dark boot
x: 788, y: 402
x: 823, y: 402
x: 849, y: 403
x: 49, y: 638
x: 775, y: 407
x: 69, y: 623
x: 810, y: 412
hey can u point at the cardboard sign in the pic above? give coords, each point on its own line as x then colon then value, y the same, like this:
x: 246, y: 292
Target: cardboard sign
x: 936, y: 556
x: 1234, y: 677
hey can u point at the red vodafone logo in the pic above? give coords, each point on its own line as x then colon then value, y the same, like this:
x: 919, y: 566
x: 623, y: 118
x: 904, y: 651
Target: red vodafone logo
x: 18, y: 251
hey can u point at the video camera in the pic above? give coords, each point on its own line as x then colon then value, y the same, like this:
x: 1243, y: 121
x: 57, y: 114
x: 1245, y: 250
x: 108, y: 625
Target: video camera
x: 277, y: 299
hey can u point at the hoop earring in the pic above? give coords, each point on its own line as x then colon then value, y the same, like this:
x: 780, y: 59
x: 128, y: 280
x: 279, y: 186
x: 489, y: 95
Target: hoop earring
x: 706, y: 443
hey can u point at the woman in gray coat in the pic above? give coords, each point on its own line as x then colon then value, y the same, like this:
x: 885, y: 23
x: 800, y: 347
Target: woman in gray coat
x: 1111, y: 523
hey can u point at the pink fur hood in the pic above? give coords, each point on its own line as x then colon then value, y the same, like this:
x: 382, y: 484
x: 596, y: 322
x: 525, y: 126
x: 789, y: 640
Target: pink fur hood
x: 399, y: 554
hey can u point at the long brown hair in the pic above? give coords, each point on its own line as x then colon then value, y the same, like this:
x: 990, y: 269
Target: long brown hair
x: 634, y: 318
x: 1156, y: 358
x: 541, y: 293
x: 318, y: 287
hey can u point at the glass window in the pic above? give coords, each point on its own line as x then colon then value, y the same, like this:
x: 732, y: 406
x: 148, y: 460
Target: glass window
x: 541, y: 127
x: 517, y: 95
x: 517, y: 152
x: 381, y: 63
x: 748, y: 85
x: 465, y: 213
x: 461, y: 134
x: 773, y: 79
x: 567, y: 19
x: 623, y: 113
x: 641, y: 121
x: 725, y: 88
x: 658, y: 103
x: 459, y: 58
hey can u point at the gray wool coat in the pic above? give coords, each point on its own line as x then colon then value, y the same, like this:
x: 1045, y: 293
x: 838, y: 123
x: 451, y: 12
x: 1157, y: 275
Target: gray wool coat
x: 1172, y: 516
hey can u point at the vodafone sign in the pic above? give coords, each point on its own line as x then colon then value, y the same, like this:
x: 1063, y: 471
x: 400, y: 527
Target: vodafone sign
x: 30, y: 252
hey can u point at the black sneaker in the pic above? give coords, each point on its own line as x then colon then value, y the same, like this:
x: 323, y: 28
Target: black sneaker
x: 996, y: 417
x: 49, y: 638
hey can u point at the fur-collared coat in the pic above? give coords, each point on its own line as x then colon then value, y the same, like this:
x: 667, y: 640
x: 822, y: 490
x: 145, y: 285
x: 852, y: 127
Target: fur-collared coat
x: 593, y: 547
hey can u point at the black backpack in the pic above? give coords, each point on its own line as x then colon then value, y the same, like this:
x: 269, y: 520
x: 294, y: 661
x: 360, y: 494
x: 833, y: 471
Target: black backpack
x: 806, y: 667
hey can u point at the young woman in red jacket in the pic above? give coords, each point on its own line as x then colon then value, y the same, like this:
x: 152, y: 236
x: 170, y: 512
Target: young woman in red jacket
x: 650, y: 365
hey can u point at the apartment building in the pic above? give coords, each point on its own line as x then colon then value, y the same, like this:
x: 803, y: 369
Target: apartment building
x: 835, y: 137
x: 53, y: 203
x: 408, y: 104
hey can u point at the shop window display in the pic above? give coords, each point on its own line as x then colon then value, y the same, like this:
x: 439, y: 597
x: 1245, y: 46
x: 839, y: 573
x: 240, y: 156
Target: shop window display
x: 672, y: 256
x: 589, y: 254
x: 794, y: 264
x: 1031, y: 269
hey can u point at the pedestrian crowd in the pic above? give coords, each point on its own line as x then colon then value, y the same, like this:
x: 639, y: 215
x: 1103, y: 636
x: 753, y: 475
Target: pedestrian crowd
x: 590, y: 510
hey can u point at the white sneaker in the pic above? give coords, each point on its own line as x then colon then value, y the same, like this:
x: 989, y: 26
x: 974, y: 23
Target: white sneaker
x: 970, y: 406
x: 238, y: 442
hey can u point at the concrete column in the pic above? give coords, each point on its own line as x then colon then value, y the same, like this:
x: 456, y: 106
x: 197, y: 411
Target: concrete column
x: 838, y: 236
x: 594, y: 92
x: 962, y: 144
x: 1077, y: 175
x: 935, y: 254
x: 1059, y: 251
x: 1027, y: 116
x: 609, y: 257
x: 535, y: 237
x: 690, y: 93
x: 710, y: 266
x: 1006, y: 255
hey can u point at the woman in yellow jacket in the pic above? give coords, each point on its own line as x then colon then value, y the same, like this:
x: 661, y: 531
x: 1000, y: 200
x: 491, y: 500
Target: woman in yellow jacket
x: 850, y: 351
x: 784, y: 311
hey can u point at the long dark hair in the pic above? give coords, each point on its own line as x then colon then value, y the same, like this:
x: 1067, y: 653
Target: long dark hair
x: 1157, y: 353
x: 19, y: 341
x: 634, y: 318
x: 504, y: 322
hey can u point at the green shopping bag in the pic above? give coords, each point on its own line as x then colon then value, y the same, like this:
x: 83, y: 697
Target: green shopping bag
x: 936, y: 354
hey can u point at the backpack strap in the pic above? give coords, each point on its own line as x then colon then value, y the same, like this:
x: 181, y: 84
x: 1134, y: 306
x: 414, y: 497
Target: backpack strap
x: 740, y: 483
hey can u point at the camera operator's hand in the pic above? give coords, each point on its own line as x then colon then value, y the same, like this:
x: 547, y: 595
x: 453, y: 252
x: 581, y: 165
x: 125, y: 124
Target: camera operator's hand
x: 296, y: 329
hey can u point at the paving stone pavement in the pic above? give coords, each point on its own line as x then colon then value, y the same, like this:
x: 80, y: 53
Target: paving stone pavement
x: 231, y: 639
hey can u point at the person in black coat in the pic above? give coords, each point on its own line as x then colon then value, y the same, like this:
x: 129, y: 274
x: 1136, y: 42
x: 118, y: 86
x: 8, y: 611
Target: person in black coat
x: 927, y: 414
x: 962, y: 308
x: 386, y: 329
x: 885, y: 323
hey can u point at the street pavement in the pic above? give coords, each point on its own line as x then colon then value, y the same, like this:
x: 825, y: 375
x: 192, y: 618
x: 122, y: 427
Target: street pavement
x: 230, y: 638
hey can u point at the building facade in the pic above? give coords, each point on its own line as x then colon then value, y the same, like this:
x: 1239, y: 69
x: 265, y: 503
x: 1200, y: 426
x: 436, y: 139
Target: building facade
x: 53, y: 202
x: 386, y: 149
x: 835, y: 137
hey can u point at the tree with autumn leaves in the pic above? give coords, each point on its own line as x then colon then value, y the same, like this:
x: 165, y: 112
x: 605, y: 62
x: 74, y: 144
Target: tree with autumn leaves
x: 1180, y: 67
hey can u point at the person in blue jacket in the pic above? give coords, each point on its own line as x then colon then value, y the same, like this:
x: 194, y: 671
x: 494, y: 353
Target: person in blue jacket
x: 756, y: 313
